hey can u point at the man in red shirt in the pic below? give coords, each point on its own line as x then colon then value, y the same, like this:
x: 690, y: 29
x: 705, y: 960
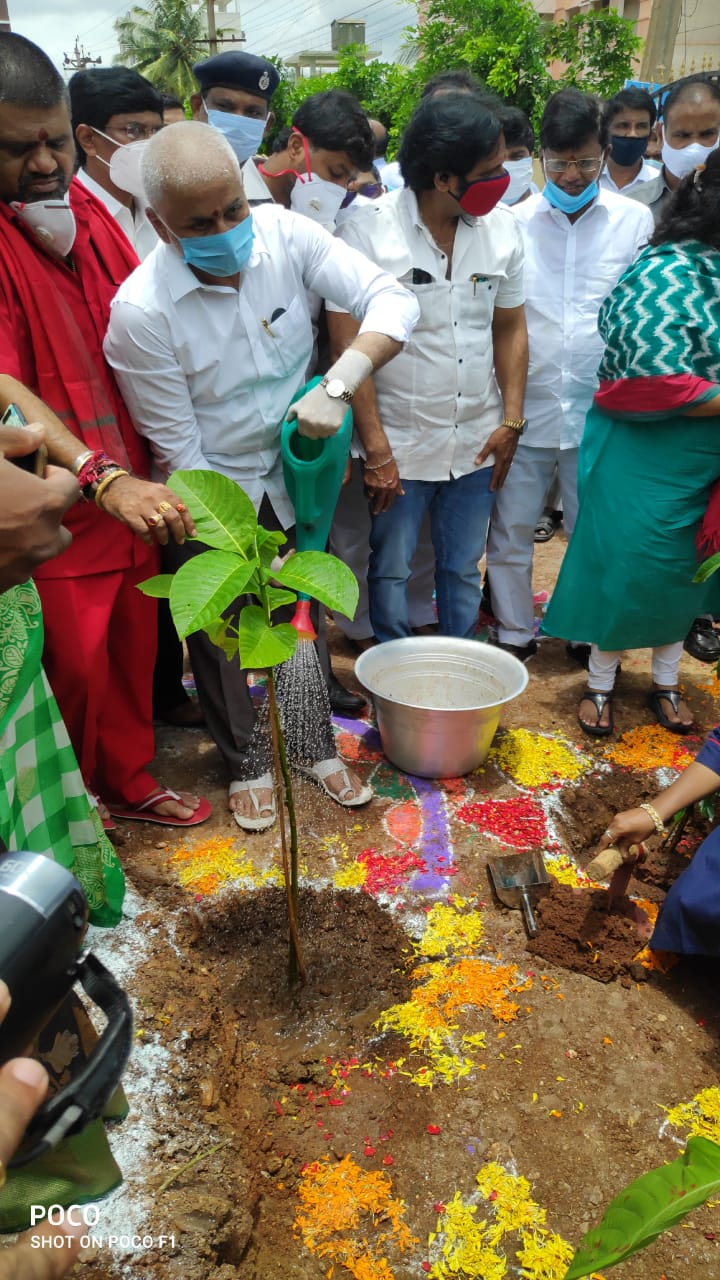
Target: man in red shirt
x: 62, y: 258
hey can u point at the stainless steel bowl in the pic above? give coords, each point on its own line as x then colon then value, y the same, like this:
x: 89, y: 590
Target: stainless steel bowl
x: 438, y: 700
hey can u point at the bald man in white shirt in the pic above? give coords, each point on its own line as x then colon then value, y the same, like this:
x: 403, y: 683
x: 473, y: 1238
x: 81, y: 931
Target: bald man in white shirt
x: 210, y: 339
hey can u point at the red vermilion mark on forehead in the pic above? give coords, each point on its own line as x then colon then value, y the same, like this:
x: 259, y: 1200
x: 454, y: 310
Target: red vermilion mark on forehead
x: 43, y: 135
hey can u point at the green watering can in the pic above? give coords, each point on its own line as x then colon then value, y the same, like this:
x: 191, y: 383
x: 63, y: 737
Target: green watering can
x: 313, y: 472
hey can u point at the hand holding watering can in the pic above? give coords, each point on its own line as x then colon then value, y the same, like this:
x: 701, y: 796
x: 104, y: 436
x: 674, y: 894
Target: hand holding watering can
x: 321, y: 411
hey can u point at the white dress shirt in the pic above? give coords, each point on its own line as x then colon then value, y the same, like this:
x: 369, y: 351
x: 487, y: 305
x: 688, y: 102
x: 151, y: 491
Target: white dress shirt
x: 208, y: 371
x: 438, y: 399
x: 570, y: 268
x: 646, y: 174
x: 141, y: 234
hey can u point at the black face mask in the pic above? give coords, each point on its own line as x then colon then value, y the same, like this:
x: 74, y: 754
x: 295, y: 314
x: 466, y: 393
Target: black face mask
x: 627, y: 151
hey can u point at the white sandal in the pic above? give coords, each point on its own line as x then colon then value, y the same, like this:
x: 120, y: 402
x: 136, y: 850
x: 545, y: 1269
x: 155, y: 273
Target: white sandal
x: 346, y: 796
x: 265, y: 814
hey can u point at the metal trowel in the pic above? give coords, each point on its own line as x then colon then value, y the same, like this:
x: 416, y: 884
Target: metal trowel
x: 519, y: 879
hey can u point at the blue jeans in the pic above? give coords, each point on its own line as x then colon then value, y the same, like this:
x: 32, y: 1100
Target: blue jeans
x: 459, y: 515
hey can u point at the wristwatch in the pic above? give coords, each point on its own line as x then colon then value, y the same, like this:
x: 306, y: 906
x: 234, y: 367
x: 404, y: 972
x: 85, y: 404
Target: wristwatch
x: 336, y: 389
x: 515, y: 424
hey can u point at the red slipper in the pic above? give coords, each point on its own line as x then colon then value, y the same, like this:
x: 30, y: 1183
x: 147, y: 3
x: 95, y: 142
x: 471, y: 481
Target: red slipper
x: 145, y: 812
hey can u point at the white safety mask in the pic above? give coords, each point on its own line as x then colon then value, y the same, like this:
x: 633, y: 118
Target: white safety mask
x: 318, y: 199
x: 52, y: 221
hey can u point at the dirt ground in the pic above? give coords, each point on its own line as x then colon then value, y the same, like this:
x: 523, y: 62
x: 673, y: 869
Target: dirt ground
x: 273, y: 1136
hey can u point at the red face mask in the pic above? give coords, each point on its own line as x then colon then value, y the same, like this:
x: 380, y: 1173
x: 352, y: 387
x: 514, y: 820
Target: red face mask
x: 481, y: 196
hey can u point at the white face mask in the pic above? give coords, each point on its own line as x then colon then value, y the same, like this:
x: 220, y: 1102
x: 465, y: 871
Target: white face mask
x: 52, y: 221
x: 680, y: 161
x: 126, y: 169
x: 125, y: 166
x: 520, y: 178
x: 318, y: 199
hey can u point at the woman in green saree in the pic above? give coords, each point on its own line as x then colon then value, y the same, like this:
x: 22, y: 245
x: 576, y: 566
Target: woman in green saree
x: 649, y: 458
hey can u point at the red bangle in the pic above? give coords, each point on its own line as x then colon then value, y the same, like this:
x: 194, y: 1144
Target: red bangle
x: 92, y: 472
x: 90, y: 465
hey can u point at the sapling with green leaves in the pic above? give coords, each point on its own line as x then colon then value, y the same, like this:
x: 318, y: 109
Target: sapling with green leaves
x: 242, y: 560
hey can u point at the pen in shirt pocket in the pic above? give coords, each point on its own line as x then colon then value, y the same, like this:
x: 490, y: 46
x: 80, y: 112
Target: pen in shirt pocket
x: 277, y: 313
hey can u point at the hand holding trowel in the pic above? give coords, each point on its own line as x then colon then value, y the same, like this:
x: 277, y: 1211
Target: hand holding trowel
x: 616, y: 866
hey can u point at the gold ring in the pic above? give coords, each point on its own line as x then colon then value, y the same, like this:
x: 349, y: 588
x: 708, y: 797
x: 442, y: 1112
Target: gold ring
x: 153, y: 519
x: 165, y: 506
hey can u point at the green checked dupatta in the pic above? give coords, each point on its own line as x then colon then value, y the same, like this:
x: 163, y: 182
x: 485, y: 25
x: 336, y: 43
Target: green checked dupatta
x: 44, y: 806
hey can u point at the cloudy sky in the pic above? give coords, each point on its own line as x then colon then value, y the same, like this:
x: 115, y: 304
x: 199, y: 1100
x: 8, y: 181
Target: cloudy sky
x: 271, y: 26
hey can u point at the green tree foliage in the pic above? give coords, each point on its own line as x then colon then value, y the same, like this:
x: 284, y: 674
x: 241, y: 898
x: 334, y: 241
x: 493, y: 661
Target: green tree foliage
x: 162, y: 40
x: 387, y: 91
x: 505, y: 43
x: 500, y: 41
x: 597, y: 47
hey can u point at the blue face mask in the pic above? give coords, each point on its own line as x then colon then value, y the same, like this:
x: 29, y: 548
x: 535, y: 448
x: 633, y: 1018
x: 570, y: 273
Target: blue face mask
x: 221, y: 255
x: 242, y: 132
x: 560, y: 199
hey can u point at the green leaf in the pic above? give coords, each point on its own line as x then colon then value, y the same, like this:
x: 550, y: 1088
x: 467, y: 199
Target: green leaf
x: 324, y: 577
x: 157, y: 587
x: 224, y: 515
x: 268, y: 543
x: 276, y: 597
x: 708, y: 568
x: 205, y: 586
x: 653, y: 1203
x: 224, y: 635
x: 262, y: 645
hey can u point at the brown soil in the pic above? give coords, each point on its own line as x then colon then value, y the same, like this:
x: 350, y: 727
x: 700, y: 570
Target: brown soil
x: 252, y: 1085
x: 577, y: 931
x: 586, y: 809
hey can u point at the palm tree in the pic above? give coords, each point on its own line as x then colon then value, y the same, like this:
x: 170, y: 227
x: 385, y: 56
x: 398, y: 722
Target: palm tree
x: 163, y: 40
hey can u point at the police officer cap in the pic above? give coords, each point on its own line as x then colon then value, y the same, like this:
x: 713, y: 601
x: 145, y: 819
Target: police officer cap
x: 236, y: 70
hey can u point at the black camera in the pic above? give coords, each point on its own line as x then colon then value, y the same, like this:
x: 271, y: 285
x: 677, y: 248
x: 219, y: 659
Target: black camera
x: 43, y: 921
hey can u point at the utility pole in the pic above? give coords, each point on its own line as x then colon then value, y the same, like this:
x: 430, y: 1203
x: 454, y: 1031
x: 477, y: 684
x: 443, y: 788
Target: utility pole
x: 4, y: 17
x: 213, y: 39
x: 212, y: 33
x: 659, y: 48
x: 80, y: 59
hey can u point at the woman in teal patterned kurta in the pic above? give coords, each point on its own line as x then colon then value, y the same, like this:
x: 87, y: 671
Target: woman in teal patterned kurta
x: 649, y: 457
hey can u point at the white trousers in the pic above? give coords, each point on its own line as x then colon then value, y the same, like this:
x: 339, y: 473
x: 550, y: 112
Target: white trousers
x: 350, y: 542
x: 604, y: 664
x: 511, y: 543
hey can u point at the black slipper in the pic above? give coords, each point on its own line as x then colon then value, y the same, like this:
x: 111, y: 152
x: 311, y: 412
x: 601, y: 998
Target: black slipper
x: 656, y: 698
x: 547, y: 526
x: 600, y: 701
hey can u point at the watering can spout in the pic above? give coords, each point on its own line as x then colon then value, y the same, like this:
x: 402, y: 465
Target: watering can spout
x: 301, y: 620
